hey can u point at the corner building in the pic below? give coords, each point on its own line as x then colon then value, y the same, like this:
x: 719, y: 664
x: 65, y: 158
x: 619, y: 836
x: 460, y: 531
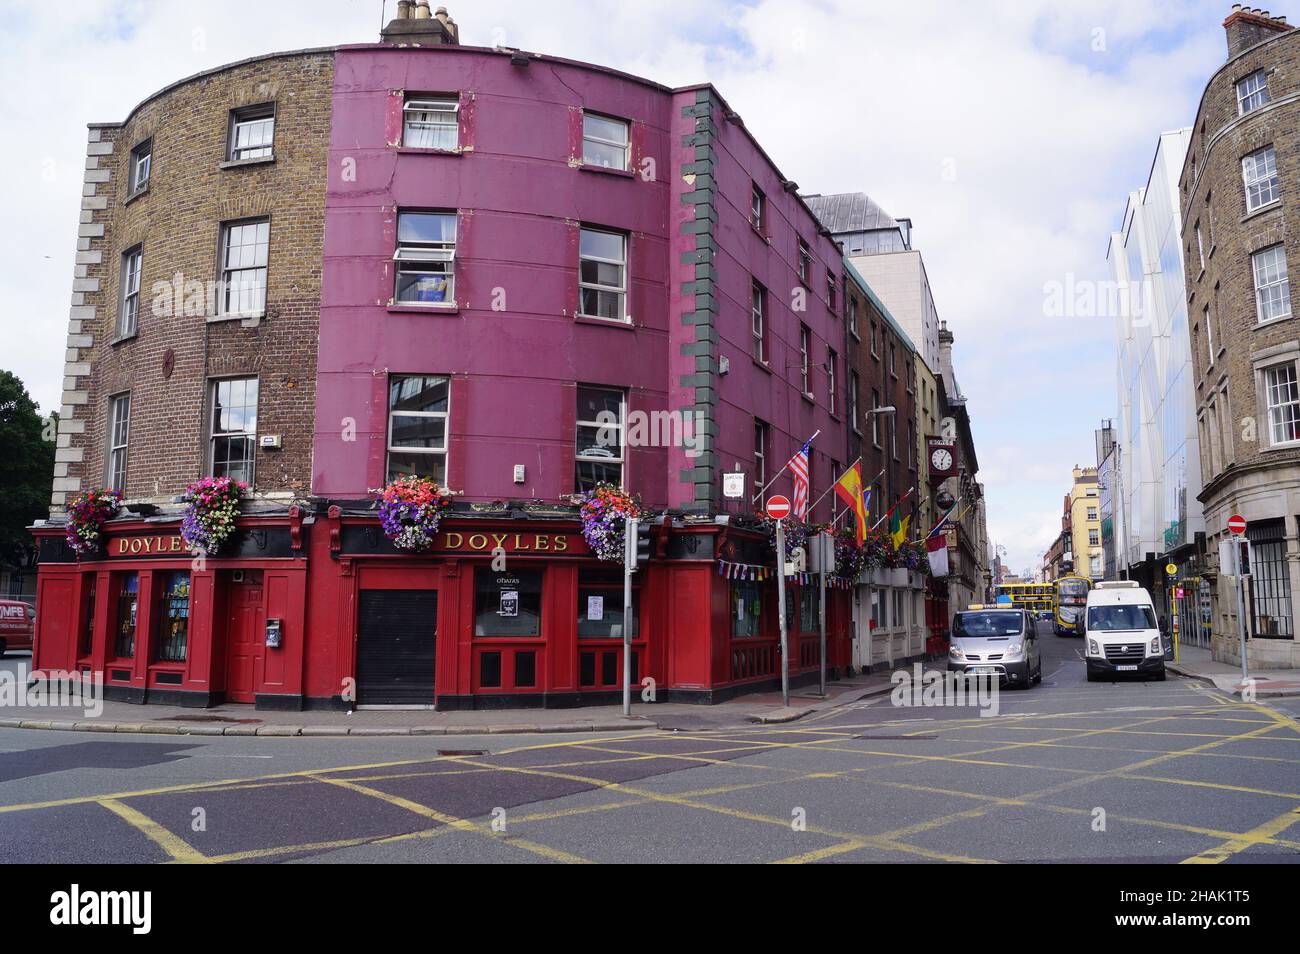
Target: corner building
x: 503, y: 246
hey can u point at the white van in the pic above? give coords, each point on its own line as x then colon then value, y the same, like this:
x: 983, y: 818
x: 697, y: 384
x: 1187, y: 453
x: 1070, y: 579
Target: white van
x: 1121, y: 634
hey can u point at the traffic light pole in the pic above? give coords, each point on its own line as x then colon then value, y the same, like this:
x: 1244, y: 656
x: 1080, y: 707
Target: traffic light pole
x: 780, y: 611
x: 629, y: 567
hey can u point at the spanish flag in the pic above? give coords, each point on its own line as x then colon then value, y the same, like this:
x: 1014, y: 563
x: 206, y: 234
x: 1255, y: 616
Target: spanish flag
x: 849, y: 489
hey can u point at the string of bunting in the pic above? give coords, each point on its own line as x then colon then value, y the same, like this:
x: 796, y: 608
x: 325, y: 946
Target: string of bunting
x: 749, y: 571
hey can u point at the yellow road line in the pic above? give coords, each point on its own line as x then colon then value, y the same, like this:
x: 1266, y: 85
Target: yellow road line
x: 1238, y: 844
x: 460, y: 824
x: 175, y: 846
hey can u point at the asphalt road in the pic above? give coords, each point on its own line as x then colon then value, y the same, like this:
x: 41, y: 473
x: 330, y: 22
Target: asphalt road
x: 1065, y: 772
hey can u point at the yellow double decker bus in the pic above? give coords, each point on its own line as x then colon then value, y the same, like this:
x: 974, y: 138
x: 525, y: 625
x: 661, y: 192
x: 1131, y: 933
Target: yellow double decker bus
x: 1035, y: 598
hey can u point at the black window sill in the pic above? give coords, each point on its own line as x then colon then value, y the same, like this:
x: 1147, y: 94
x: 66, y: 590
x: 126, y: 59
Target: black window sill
x: 242, y: 163
x: 122, y: 339
x: 142, y: 191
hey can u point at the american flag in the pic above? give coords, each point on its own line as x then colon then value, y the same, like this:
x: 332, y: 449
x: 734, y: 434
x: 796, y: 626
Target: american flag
x: 799, y: 467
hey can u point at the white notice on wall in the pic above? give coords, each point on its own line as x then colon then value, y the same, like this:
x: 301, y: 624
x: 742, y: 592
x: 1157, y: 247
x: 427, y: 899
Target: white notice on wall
x: 595, y: 608
x: 509, y: 603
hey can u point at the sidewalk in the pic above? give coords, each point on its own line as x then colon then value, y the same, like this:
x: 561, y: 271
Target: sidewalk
x: 244, y: 720
x: 1195, y: 663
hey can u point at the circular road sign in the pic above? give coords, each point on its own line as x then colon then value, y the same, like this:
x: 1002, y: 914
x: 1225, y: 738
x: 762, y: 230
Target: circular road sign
x: 778, y: 507
x: 1237, y: 524
x: 1171, y: 569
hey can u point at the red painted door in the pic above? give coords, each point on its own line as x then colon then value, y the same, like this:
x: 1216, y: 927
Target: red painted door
x: 244, y: 638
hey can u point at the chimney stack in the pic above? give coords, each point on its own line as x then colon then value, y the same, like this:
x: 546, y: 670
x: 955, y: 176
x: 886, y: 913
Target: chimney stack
x: 1246, y: 27
x: 416, y: 26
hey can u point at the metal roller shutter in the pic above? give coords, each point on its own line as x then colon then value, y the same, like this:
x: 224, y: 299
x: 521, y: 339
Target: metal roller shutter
x: 396, y: 643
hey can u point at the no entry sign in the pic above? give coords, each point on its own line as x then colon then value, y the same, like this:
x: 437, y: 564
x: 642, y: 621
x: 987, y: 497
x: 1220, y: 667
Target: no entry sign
x: 778, y: 507
x: 1237, y: 524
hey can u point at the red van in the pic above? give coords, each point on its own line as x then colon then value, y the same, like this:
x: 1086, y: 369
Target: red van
x: 17, y: 625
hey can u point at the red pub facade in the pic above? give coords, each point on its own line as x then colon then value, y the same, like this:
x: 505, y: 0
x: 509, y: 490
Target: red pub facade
x: 554, y: 263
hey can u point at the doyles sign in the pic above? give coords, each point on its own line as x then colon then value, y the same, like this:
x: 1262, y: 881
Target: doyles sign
x: 778, y: 507
x: 157, y: 546
x: 486, y: 542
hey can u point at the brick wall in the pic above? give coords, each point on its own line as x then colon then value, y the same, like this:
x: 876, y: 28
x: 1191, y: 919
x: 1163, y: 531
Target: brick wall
x: 191, y: 190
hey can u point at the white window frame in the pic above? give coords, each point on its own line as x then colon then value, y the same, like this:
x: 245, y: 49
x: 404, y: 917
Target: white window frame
x: 445, y: 416
x: 258, y: 288
x: 832, y: 359
x: 760, y: 454
x: 1268, y: 277
x: 1282, y: 414
x: 1260, y: 178
x: 853, y: 401
x: 757, y: 208
x: 1251, y: 96
x: 1200, y: 245
x: 758, y: 319
x: 805, y: 262
x: 805, y: 341
x: 141, y: 166
x: 875, y: 418
x: 853, y: 313
x: 119, y: 419
x: 422, y: 119
x: 1209, y: 338
x: 244, y: 120
x: 625, y: 145
x: 418, y: 257
x: 128, y: 315
x: 620, y: 428
x: 248, y: 434
x: 619, y: 290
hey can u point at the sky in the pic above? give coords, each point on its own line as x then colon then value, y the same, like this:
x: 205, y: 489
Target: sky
x: 1009, y: 132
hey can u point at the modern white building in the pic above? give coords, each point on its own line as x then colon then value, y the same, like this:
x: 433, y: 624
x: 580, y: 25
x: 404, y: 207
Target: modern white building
x: 1158, y: 519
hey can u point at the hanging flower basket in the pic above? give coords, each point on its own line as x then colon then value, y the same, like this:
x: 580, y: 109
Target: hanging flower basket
x: 86, y: 515
x: 850, y: 559
x: 796, y: 534
x: 603, y: 511
x: 209, y: 519
x: 410, y: 509
x: 878, y: 553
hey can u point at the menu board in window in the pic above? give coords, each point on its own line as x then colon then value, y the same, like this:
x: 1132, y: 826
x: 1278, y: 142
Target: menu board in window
x: 508, y: 603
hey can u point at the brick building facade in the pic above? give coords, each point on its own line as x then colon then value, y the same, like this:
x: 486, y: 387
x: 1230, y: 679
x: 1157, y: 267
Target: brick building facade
x: 1239, y: 193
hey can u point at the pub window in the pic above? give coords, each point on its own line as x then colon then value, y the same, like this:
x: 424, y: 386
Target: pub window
x: 746, y: 608
x: 127, y: 599
x: 602, y: 275
x: 87, y: 641
x: 525, y: 669
x: 252, y: 130
x: 430, y: 123
x: 245, y: 247
x: 604, y: 141
x: 508, y: 604
x: 141, y: 163
x: 758, y: 323
x: 234, y: 428
x: 417, y: 426
x: 599, y: 447
x: 804, y: 604
x: 1271, y: 581
x: 425, y: 258
x: 119, y: 429
x: 174, y: 616
x: 489, y: 670
x: 128, y: 308
x: 600, y: 605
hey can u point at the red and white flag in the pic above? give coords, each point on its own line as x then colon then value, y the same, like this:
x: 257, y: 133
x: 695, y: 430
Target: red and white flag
x: 799, y: 468
x: 936, y: 545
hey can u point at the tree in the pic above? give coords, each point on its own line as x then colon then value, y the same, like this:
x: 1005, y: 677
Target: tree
x: 26, y: 468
